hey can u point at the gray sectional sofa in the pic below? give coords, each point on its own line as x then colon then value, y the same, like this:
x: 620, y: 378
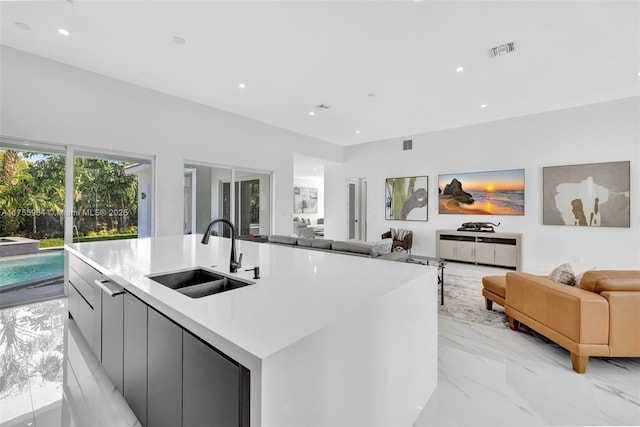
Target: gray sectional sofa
x: 372, y: 250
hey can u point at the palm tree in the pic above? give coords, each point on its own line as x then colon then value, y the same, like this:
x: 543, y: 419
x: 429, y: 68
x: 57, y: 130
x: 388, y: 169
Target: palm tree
x: 10, y: 165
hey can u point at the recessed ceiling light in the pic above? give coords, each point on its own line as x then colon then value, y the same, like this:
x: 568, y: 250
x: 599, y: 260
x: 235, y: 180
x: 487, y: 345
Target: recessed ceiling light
x: 179, y: 40
x: 311, y: 113
x: 358, y: 132
x: 63, y: 32
x: 242, y: 85
x: 483, y: 106
x: 23, y: 26
x: 460, y: 69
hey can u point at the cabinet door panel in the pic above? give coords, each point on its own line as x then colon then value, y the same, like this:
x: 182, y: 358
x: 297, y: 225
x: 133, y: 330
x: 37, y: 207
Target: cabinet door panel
x: 164, y: 401
x: 211, y: 386
x: 465, y: 251
x: 135, y: 356
x: 485, y: 253
x: 506, y: 255
x: 73, y: 302
x: 82, y: 285
x: 113, y: 337
x: 447, y: 249
x: 85, y: 319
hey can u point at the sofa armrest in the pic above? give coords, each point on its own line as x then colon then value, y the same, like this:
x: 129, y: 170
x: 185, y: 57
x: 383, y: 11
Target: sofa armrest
x: 579, y: 315
x: 408, y: 240
x: 624, y: 318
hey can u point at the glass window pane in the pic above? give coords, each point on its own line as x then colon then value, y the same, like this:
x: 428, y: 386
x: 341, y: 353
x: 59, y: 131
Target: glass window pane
x: 112, y: 198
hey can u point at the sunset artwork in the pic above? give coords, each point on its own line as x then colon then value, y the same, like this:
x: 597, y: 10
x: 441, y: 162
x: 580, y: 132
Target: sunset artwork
x: 482, y: 193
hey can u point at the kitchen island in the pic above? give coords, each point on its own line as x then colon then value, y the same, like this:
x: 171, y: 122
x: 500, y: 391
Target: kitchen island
x: 323, y: 338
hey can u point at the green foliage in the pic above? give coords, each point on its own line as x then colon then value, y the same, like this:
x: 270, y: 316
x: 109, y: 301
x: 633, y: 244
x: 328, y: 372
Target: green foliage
x: 51, y: 243
x: 32, y: 196
x: 133, y: 229
x: 254, y: 206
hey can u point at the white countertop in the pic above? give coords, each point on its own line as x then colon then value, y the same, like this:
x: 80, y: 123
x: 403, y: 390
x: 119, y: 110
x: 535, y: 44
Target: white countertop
x: 300, y: 291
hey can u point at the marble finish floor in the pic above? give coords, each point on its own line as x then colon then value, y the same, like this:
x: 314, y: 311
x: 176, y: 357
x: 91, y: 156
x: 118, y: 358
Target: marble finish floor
x: 487, y: 376
x: 490, y: 376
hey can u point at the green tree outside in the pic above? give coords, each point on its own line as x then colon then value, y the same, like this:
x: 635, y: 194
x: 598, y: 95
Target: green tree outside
x: 32, y: 197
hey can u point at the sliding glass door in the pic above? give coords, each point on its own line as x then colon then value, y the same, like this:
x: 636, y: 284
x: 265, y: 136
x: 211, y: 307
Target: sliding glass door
x: 208, y: 196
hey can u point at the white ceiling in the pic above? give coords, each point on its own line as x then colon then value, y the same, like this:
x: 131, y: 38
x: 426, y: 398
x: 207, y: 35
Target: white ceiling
x: 297, y: 54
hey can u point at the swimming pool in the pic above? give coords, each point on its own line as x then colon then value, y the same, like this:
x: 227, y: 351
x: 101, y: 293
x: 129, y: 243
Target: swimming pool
x: 30, y: 268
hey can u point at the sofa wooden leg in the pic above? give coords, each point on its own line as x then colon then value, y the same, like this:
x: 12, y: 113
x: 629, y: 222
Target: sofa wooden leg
x: 514, y: 324
x: 488, y: 303
x: 579, y: 363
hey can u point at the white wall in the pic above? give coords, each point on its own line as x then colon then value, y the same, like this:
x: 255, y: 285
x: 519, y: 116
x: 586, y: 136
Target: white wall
x: 49, y: 101
x: 318, y: 183
x: 598, y: 133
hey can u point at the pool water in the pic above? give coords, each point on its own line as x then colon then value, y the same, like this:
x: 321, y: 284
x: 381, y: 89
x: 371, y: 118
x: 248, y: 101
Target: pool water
x: 22, y: 268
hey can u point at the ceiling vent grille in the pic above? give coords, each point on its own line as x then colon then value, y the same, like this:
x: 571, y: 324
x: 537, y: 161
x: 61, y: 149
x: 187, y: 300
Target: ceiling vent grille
x: 322, y: 107
x: 407, y: 144
x: 503, y: 49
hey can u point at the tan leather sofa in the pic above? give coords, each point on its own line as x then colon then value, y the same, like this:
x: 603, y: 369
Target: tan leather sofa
x: 599, y: 317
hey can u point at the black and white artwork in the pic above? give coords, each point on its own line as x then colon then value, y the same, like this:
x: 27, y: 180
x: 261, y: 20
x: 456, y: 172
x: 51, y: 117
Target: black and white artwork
x: 589, y: 195
x: 305, y: 200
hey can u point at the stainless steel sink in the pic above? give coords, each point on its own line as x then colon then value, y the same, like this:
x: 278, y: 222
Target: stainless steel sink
x: 198, y: 282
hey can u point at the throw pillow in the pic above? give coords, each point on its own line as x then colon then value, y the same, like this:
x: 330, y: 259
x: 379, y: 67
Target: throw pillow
x: 399, y: 234
x: 563, y: 274
x: 384, y: 246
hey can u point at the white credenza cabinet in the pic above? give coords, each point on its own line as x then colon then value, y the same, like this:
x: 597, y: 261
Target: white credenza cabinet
x: 499, y: 249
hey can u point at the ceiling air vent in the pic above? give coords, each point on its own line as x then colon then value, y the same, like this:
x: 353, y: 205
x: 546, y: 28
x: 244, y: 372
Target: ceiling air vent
x: 503, y: 49
x: 322, y: 107
x: 407, y: 144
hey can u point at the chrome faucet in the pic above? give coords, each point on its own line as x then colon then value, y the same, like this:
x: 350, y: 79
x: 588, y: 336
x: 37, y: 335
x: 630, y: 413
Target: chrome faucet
x: 233, y: 264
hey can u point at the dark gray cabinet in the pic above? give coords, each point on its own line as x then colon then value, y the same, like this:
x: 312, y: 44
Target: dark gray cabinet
x: 135, y: 356
x: 113, y: 338
x: 164, y: 398
x: 168, y: 376
x: 215, y: 389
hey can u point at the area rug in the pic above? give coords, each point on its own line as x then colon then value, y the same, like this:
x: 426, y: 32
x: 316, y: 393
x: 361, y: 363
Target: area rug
x: 463, y: 300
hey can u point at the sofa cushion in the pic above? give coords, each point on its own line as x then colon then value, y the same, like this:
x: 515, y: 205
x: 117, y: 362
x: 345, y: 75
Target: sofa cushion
x: 399, y: 234
x: 563, y: 274
x: 611, y: 280
x: 354, y: 247
x: 305, y: 242
x: 283, y: 240
x: 321, y: 243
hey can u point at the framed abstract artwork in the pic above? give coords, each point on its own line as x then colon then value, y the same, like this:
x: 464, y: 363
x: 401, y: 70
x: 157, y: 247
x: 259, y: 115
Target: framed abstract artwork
x: 482, y: 193
x: 305, y: 200
x: 407, y: 198
x: 588, y: 195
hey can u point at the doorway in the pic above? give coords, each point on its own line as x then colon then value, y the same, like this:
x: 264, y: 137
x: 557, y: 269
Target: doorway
x: 247, y: 206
